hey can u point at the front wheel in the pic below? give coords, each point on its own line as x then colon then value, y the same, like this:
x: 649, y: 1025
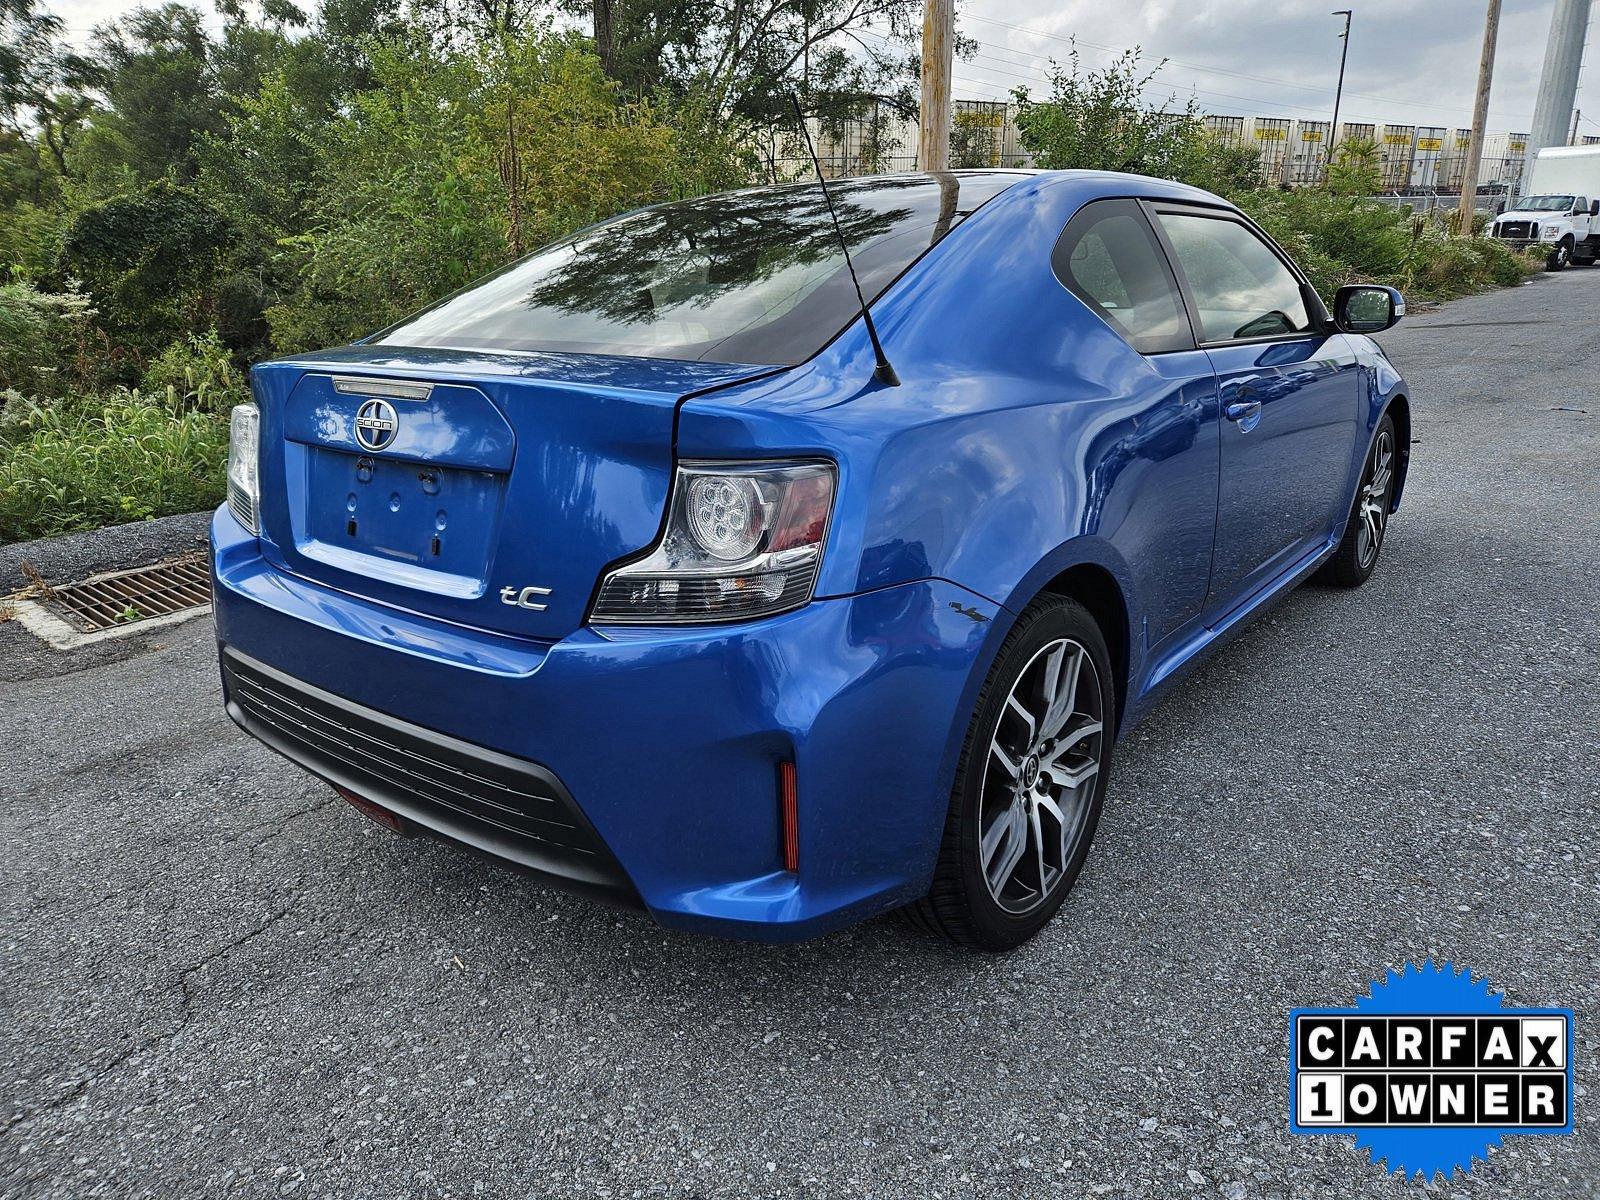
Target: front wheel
x: 1560, y: 256
x: 1353, y: 562
x: 1029, y: 785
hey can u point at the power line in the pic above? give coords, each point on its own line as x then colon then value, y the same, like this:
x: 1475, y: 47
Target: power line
x: 1012, y: 71
x: 1175, y: 85
x: 1056, y: 37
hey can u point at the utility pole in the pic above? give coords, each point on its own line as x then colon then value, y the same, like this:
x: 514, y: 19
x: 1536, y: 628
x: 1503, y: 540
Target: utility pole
x: 1572, y: 138
x: 1480, y: 119
x: 938, y: 51
x: 1338, y: 93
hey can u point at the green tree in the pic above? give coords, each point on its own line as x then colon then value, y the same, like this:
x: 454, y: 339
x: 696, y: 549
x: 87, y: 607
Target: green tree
x: 454, y: 161
x: 44, y: 99
x: 1101, y: 120
x: 1356, y: 169
x: 152, y: 261
x: 156, y: 74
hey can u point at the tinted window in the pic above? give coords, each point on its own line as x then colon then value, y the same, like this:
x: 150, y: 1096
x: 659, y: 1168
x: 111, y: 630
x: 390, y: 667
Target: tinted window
x: 747, y: 277
x: 1240, y: 287
x: 1109, y: 259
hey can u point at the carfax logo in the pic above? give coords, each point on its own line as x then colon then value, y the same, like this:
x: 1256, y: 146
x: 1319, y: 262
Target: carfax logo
x: 1430, y: 1070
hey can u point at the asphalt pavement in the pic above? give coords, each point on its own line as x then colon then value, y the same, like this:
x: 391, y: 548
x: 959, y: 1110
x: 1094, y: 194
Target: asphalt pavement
x: 218, y: 979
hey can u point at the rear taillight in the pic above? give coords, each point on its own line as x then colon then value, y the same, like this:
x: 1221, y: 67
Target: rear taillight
x: 789, y: 816
x: 244, y: 466
x: 742, y: 540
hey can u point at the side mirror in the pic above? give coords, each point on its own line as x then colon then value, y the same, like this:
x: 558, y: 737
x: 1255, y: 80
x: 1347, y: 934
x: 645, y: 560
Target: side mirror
x: 1594, y: 208
x: 1367, y: 308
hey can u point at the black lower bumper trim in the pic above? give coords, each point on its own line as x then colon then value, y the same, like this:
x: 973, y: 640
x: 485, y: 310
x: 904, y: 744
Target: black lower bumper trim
x: 513, y: 810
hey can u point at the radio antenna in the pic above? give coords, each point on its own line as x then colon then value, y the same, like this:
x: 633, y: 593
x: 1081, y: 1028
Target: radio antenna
x: 883, y: 372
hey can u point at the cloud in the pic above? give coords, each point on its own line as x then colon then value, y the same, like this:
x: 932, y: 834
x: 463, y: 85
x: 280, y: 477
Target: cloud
x: 1411, y: 61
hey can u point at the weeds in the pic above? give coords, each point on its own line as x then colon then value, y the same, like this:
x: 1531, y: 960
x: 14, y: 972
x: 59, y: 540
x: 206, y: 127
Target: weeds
x: 85, y: 461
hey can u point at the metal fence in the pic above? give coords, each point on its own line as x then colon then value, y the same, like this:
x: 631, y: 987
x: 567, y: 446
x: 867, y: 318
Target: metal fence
x: 1418, y: 161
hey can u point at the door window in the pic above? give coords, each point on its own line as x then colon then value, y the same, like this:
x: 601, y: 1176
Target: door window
x: 1241, y: 288
x: 1109, y: 258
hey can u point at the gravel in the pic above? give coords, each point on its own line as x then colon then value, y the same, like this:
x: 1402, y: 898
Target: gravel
x: 112, y: 548
x: 220, y: 980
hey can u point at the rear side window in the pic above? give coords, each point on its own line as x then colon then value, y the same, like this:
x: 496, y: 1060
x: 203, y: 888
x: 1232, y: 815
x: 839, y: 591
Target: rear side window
x: 1108, y: 257
x: 1241, y: 288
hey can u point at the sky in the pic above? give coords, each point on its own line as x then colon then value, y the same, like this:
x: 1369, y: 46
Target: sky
x: 1411, y: 61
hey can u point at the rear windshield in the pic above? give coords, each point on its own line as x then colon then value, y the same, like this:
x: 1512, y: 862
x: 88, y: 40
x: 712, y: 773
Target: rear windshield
x: 745, y: 277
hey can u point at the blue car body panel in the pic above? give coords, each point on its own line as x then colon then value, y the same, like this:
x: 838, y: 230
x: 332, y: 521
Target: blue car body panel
x: 1027, y: 440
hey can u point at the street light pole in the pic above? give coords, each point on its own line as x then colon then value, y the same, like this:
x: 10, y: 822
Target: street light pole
x: 1338, y: 94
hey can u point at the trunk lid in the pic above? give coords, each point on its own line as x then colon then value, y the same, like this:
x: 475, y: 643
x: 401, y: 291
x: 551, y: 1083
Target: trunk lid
x: 485, y: 490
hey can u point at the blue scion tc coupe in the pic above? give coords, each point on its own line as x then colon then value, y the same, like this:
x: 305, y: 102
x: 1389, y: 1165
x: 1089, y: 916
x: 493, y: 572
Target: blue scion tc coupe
x: 634, y: 566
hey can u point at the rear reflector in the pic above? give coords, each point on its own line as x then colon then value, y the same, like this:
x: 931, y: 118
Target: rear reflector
x: 376, y: 812
x: 789, y: 816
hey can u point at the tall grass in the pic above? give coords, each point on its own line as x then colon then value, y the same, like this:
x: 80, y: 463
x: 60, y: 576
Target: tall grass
x: 1350, y: 239
x: 84, y: 462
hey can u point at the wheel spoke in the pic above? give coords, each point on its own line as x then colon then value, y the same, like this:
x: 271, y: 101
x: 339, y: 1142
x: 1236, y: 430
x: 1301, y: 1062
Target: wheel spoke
x: 1038, y: 849
x: 1003, y: 847
x: 1048, y: 804
x: 1007, y: 764
x: 1064, y: 699
x: 1081, y: 726
x: 1074, y: 775
x: 1024, y: 715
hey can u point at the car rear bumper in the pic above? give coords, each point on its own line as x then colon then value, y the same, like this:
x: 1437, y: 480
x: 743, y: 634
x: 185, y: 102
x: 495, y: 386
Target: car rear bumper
x: 637, y: 764
x: 502, y: 806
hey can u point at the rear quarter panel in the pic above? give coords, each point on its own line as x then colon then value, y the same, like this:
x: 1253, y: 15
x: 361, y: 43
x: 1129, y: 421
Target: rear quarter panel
x: 1027, y: 437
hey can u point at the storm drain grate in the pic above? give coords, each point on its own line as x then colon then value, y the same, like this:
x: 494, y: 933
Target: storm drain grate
x: 125, y: 597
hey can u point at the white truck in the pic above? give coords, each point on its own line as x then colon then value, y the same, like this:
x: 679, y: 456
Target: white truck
x: 1559, y: 209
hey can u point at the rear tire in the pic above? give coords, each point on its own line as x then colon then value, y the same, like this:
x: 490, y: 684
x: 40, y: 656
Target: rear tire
x: 1029, y: 784
x: 1356, y: 558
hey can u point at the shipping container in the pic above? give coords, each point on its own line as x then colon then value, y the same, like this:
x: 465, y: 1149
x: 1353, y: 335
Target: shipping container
x: 1357, y: 131
x: 1271, y: 138
x: 1227, y: 130
x: 1308, y: 161
x: 1426, y: 158
x: 977, y: 133
x: 1397, y: 144
x: 1453, y: 166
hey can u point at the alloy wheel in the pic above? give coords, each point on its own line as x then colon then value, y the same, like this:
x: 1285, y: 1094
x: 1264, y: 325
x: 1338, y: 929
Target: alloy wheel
x: 1040, y: 776
x: 1376, y: 484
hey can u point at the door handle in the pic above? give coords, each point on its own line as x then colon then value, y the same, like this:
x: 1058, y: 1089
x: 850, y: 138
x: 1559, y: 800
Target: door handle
x: 1243, y: 410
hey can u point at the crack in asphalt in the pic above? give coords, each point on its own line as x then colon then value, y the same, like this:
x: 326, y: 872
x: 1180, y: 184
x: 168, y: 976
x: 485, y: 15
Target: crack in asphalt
x: 186, y: 1015
x: 279, y: 825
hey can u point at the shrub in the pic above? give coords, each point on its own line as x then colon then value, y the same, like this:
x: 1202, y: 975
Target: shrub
x: 1350, y: 239
x: 40, y: 338
x: 152, y: 261
x: 200, y: 368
